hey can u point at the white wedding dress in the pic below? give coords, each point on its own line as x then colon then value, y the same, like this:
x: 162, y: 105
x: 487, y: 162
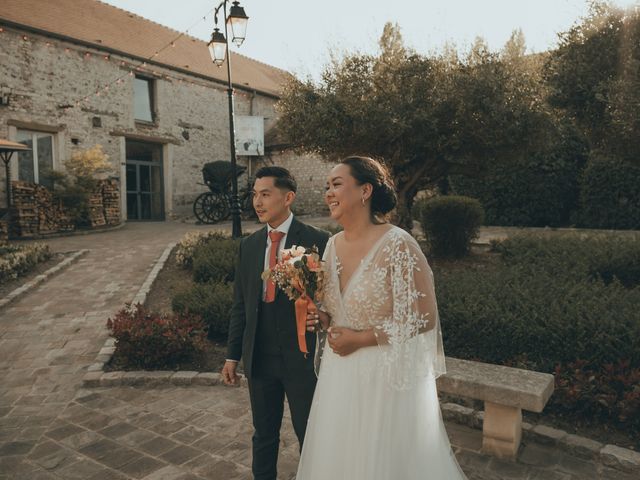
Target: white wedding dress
x: 375, y: 413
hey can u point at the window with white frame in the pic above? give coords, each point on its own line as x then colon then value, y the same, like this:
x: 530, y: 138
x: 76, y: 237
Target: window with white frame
x: 34, y: 165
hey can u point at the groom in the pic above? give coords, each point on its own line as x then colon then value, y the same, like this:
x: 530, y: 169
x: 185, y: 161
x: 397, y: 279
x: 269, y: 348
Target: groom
x: 262, y: 330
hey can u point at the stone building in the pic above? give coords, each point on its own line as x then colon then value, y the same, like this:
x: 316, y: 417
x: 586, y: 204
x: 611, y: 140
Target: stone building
x: 77, y: 73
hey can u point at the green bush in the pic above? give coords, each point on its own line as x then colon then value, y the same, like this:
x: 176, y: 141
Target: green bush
x: 211, y: 301
x: 16, y: 260
x: 542, y: 302
x: 148, y: 340
x: 610, y: 194
x: 537, y: 190
x: 191, y: 241
x: 450, y: 223
x: 215, y: 260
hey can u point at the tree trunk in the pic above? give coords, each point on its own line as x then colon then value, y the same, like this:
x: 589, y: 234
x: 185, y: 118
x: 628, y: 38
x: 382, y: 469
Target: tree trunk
x: 406, y: 194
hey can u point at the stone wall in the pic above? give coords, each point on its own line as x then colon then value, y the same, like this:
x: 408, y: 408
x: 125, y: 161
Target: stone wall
x: 47, y: 76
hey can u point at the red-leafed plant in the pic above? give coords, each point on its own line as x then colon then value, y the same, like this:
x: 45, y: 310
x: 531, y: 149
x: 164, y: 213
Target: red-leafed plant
x: 150, y: 340
x: 611, y: 392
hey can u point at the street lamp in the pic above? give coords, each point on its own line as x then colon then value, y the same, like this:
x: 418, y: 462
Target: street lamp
x: 219, y: 50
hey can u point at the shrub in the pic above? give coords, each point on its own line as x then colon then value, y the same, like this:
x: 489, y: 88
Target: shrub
x: 148, y: 340
x: 610, y: 194
x: 546, y: 306
x: 619, y: 261
x: 610, y: 393
x: 211, y: 301
x: 542, y: 302
x: 80, y: 181
x: 16, y: 260
x: 188, y: 244
x: 537, y: 190
x: 450, y: 223
x: 214, y: 261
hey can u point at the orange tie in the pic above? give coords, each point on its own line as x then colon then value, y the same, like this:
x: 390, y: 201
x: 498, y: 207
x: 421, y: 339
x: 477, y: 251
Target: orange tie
x: 275, y: 237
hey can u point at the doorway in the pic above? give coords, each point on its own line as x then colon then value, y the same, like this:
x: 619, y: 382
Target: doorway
x: 145, y: 195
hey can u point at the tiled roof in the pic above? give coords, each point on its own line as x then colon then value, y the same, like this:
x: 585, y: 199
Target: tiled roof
x: 107, y: 26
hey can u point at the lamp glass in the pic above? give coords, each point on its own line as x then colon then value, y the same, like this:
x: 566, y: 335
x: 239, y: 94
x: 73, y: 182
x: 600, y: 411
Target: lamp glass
x: 238, y: 20
x: 217, y: 47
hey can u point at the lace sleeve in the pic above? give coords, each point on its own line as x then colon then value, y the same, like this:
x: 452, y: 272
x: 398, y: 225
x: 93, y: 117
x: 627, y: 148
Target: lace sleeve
x: 410, y: 339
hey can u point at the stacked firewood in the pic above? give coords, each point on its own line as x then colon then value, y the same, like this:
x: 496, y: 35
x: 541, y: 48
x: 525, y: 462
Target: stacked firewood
x: 35, y: 211
x: 4, y: 230
x: 96, y: 210
x: 24, y: 213
x: 52, y: 217
x: 111, y: 201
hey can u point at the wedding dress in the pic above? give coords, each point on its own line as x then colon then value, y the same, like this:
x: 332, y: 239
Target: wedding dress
x: 375, y: 413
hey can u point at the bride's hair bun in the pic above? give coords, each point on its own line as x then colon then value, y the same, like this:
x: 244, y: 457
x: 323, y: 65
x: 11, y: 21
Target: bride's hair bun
x: 368, y: 170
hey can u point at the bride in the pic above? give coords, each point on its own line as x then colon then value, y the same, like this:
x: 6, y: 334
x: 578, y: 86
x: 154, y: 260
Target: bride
x: 375, y: 413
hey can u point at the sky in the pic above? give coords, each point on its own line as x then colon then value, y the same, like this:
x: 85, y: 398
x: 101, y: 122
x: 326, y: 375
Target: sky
x: 297, y: 36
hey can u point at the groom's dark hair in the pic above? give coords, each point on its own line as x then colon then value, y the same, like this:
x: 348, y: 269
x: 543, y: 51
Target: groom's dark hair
x: 282, y: 177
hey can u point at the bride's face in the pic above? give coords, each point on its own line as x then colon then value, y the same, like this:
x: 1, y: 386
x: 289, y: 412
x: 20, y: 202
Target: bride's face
x: 343, y: 194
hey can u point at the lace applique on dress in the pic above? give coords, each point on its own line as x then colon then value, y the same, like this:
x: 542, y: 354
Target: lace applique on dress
x: 392, y: 292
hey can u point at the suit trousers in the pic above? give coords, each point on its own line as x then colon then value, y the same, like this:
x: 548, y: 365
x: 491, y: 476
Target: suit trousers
x: 268, y: 385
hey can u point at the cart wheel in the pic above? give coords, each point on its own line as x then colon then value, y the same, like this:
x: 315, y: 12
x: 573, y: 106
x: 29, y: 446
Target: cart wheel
x: 201, y: 207
x: 217, y: 208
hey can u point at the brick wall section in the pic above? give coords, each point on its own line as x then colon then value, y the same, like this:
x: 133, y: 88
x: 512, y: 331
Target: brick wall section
x: 42, y: 77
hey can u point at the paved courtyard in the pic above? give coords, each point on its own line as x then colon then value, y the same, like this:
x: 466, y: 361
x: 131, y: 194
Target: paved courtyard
x: 52, y: 428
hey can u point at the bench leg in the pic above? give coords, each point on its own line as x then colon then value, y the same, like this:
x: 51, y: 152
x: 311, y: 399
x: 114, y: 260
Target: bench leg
x: 501, y: 430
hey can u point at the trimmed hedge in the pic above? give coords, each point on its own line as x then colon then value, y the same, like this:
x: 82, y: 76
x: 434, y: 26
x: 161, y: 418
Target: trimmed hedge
x: 558, y: 305
x: 215, y: 260
x: 211, y: 301
x: 187, y: 246
x: 610, y: 195
x: 450, y: 223
x: 547, y: 301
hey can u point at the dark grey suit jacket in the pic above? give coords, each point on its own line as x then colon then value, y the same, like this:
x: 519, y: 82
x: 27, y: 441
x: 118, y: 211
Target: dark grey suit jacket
x: 248, y: 295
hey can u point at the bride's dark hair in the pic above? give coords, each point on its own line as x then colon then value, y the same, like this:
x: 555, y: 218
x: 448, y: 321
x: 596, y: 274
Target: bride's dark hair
x: 383, y: 195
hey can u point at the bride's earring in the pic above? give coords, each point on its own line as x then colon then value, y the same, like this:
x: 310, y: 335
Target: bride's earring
x: 362, y: 201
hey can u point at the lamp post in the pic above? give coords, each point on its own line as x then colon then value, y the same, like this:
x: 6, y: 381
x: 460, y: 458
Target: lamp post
x: 219, y: 50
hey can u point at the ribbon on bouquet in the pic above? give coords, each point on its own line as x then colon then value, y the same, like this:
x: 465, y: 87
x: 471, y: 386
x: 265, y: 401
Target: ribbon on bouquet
x: 304, y: 305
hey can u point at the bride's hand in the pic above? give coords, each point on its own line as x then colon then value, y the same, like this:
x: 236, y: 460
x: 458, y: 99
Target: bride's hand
x: 344, y: 341
x: 317, y: 320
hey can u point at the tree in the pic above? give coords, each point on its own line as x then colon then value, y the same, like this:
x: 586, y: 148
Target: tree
x: 593, y: 76
x: 426, y: 117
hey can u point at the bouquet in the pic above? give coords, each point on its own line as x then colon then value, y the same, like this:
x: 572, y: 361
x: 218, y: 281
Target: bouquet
x: 300, y: 275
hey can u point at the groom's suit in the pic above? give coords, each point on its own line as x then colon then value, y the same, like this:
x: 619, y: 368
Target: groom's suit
x: 264, y: 336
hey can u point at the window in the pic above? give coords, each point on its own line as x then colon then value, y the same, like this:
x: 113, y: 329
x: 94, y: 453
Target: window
x: 143, y: 99
x: 34, y: 165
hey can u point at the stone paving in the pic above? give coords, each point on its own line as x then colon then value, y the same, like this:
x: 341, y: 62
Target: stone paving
x: 52, y: 428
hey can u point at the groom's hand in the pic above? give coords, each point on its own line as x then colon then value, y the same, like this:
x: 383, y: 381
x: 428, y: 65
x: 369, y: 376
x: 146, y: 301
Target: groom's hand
x: 229, y: 375
x: 317, y: 321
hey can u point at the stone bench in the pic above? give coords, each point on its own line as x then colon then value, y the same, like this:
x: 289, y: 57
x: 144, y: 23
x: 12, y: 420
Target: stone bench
x: 505, y: 391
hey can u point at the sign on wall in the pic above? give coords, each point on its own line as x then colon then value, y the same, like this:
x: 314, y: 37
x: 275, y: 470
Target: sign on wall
x: 249, y: 135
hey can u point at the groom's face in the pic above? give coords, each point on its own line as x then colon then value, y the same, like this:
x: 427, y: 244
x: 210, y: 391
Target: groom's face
x: 271, y: 203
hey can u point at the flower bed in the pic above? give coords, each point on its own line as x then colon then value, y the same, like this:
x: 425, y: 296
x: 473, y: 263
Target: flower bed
x: 17, y: 260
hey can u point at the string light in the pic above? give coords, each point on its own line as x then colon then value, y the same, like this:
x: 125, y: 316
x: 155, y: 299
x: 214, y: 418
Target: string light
x: 132, y: 68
